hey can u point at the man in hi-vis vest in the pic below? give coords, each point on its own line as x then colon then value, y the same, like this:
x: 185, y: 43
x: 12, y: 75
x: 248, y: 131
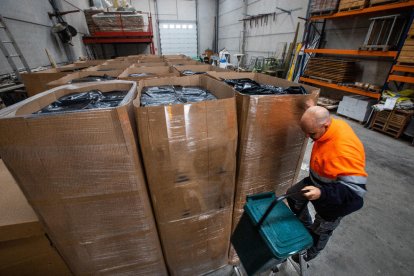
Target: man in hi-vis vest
x: 337, y: 178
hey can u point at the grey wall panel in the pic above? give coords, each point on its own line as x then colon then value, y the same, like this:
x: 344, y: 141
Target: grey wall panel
x: 30, y: 25
x: 260, y: 38
x: 206, y: 17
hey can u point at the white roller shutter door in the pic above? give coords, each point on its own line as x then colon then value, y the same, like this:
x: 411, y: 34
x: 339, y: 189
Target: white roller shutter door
x: 178, y: 37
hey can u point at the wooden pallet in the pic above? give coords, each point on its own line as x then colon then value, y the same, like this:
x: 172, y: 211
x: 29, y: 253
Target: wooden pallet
x: 320, y: 13
x: 331, y: 70
x: 382, y: 2
x: 392, y: 122
x: 407, y: 52
x: 323, y: 7
x: 348, y: 5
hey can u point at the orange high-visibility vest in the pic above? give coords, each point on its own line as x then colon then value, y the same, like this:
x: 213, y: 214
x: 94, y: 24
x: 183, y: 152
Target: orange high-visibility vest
x: 339, y: 156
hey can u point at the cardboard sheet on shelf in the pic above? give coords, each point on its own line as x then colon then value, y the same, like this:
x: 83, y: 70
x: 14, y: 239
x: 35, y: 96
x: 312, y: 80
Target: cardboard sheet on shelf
x: 189, y: 153
x: 81, y: 173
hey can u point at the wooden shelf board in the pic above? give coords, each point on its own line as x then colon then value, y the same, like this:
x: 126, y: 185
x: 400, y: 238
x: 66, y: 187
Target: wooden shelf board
x: 401, y: 79
x: 342, y: 88
x: 379, y: 8
x: 392, y: 54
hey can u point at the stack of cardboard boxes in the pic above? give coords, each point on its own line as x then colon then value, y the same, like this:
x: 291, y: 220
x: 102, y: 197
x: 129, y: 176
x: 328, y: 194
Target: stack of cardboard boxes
x: 107, y: 213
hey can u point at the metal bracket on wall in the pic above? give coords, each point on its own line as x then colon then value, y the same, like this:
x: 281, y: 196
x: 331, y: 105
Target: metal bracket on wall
x: 264, y: 17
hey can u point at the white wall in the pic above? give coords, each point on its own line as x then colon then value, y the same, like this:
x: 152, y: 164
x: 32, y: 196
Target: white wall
x: 30, y: 25
x: 261, y: 40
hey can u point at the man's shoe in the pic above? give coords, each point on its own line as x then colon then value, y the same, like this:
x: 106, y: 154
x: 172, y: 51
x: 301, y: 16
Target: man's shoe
x: 307, y: 257
x: 295, y: 258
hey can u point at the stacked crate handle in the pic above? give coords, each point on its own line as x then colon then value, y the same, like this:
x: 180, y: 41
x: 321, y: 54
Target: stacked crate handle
x: 273, y: 203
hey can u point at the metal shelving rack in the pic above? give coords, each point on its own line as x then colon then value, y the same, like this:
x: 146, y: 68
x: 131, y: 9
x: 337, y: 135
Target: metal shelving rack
x: 314, y: 25
x: 145, y: 36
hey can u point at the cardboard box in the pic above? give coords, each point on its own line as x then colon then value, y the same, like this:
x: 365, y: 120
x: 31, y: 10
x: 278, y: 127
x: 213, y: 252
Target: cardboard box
x: 24, y: 248
x: 36, y: 82
x: 271, y: 142
x: 108, y: 67
x: 199, y: 68
x: 149, y: 64
x: 181, y: 56
x: 189, y: 153
x: 177, y: 62
x: 150, y: 58
x: 82, y: 174
x: 90, y: 62
x: 156, y: 71
x: 125, y: 62
x: 68, y: 78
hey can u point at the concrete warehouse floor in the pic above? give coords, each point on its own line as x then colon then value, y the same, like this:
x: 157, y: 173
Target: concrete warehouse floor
x: 378, y: 239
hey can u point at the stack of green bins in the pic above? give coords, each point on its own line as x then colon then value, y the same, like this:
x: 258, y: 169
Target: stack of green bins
x: 279, y: 236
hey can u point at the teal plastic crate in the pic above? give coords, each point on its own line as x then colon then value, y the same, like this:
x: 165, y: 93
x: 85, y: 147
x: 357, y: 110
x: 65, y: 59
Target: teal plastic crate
x: 280, y: 235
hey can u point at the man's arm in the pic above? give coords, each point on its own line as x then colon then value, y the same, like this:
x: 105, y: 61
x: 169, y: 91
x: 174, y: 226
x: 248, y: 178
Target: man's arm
x: 334, y: 193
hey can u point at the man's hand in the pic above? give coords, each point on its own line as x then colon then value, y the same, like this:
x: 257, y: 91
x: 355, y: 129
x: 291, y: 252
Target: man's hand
x: 312, y: 193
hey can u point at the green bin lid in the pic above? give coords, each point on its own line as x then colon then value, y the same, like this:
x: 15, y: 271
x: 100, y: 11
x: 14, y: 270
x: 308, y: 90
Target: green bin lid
x: 282, y: 231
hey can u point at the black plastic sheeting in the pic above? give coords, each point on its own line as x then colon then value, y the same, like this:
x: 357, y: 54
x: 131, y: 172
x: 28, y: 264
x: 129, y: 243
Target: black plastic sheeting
x: 85, y: 100
x: 174, y: 94
x: 138, y: 75
x: 92, y: 78
x: 250, y: 87
x: 191, y: 73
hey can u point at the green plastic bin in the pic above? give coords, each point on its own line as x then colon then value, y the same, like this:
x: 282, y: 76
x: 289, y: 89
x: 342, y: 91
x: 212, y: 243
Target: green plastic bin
x: 279, y: 236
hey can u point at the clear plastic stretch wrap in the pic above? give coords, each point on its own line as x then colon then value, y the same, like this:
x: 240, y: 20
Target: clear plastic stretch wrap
x: 271, y: 142
x: 189, y: 153
x: 138, y: 73
x: 82, y: 174
x: 85, y: 75
x: 119, y: 21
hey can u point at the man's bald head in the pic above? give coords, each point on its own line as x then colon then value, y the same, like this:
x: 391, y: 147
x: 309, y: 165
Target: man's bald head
x: 315, y: 121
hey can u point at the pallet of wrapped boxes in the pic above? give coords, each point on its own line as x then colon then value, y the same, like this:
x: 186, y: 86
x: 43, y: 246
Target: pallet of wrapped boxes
x: 74, y: 154
x: 271, y: 143
x: 187, y: 128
